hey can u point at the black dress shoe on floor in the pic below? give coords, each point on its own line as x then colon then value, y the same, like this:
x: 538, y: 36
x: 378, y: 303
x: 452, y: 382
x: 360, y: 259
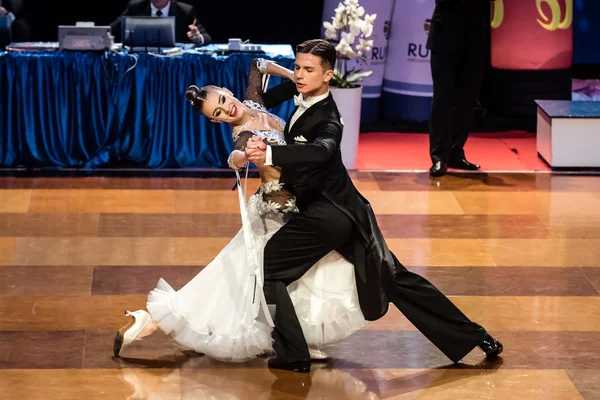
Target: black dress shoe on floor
x: 491, y: 347
x: 463, y: 164
x: 438, y: 168
x: 296, y: 366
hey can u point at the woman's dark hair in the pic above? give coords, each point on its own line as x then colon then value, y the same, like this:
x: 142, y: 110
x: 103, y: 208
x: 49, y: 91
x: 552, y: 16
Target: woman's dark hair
x: 197, y: 96
x: 321, y: 48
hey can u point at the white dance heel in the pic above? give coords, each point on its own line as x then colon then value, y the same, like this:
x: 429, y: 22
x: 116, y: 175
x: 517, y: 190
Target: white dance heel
x: 126, y: 335
x: 316, y: 354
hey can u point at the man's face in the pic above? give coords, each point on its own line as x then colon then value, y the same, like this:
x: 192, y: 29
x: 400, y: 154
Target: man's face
x: 311, y: 77
x: 160, y: 4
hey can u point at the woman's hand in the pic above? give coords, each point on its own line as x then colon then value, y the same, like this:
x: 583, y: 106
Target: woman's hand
x: 278, y: 70
x: 239, y: 158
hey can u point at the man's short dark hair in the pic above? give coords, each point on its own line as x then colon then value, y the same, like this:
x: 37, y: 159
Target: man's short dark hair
x: 321, y: 48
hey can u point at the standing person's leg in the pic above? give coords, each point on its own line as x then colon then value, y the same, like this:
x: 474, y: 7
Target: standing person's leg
x: 292, y: 251
x: 469, y: 82
x: 444, y: 72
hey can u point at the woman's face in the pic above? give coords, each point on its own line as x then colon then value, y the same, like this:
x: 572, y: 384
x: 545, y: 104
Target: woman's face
x: 221, y: 106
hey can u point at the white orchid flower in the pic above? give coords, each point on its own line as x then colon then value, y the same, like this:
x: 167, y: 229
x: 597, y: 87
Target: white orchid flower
x: 352, y: 11
x: 330, y: 31
x: 348, y: 37
x: 338, y: 21
x: 344, y: 49
x: 356, y: 27
x: 370, y: 19
x: 367, y: 29
x: 330, y: 34
x: 364, y: 44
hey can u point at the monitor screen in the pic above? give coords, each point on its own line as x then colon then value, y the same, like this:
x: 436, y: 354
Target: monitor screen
x: 4, y: 21
x: 4, y: 31
x: 148, y: 31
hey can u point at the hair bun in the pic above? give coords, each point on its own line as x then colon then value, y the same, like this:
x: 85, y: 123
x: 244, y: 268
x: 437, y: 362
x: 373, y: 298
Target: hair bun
x: 192, y: 93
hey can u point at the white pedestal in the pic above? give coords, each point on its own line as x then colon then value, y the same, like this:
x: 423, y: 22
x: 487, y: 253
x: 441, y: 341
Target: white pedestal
x: 568, y: 134
x: 349, y: 103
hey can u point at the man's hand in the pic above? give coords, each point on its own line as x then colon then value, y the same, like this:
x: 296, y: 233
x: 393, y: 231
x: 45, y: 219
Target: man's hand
x: 257, y: 156
x: 255, y: 142
x: 194, y: 34
x: 256, y: 150
x: 3, y: 11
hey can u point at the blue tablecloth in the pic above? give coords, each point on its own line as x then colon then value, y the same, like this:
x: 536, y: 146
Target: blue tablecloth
x: 75, y: 109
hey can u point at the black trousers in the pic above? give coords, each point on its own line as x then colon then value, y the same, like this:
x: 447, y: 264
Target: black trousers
x: 321, y: 228
x: 457, y: 75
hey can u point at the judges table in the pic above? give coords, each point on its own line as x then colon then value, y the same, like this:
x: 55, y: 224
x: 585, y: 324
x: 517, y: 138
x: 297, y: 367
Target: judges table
x: 88, y: 109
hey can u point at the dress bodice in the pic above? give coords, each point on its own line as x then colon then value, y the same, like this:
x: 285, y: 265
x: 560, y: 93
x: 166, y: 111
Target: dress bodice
x: 272, y: 136
x: 274, y: 197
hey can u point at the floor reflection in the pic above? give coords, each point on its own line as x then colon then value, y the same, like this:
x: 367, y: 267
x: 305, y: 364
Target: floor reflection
x: 250, y: 384
x: 193, y: 376
x: 153, y: 384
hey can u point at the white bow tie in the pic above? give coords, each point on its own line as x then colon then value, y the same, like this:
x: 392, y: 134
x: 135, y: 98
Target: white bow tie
x: 300, y: 102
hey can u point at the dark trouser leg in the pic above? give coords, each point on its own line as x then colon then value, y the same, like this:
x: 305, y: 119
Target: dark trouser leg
x: 443, y: 72
x: 435, y: 315
x: 292, y: 251
x: 469, y: 79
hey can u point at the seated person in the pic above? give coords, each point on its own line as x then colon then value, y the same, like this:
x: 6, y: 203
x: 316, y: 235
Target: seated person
x: 15, y: 11
x: 186, y: 30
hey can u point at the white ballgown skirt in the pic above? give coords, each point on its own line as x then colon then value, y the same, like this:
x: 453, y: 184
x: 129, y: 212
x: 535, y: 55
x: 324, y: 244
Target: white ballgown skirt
x: 218, y: 312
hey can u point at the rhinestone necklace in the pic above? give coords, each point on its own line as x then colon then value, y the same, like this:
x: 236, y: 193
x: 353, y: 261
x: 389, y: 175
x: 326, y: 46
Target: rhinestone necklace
x: 241, y: 128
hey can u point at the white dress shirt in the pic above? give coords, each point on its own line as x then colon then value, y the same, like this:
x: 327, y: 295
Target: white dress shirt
x: 303, y: 105
x: 164, y: 10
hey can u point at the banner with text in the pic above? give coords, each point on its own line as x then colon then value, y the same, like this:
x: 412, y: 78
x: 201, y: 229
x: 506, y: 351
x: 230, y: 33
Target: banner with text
x: 407, y: 84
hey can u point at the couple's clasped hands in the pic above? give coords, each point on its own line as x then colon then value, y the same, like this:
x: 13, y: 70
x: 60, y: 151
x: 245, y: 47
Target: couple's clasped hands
x: 256, y: 150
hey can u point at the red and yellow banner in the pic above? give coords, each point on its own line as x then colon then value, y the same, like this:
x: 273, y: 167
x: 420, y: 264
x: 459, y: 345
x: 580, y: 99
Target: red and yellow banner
x: 532, y: 34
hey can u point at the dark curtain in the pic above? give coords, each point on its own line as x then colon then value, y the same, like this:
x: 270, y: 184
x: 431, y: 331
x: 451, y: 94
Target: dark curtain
x: 72, y: 109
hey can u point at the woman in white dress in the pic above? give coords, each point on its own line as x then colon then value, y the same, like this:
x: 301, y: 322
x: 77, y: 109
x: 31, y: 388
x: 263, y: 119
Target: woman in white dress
x: 221, y: 312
